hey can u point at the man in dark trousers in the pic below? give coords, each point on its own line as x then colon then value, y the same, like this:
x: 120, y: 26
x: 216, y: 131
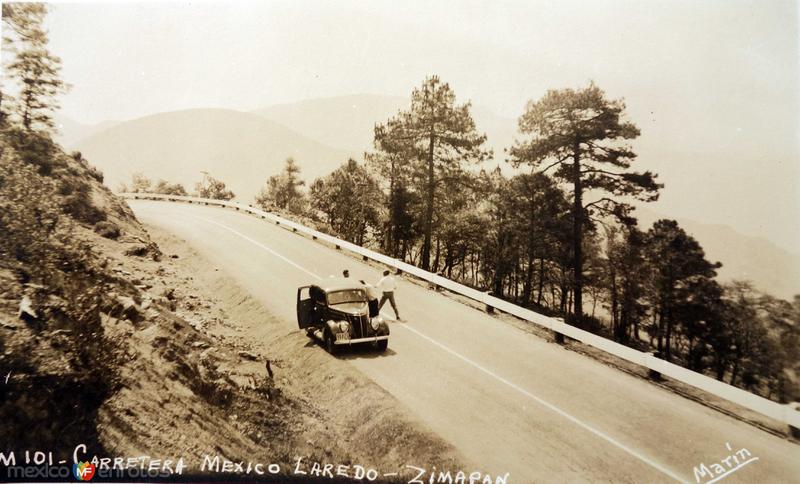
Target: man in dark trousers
x: 387, y: 285
x: 373, y: 293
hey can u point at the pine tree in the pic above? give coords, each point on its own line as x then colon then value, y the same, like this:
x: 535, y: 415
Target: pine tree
x: 34, y: 68
x: 350, y: 199
x: 679, y: 267
x: 283, y: 190
x: 210, y: 187
x: 581, y: 135
x: 440, y: 137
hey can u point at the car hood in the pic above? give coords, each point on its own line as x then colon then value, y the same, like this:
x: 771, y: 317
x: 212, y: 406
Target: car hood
x: 353, y: 309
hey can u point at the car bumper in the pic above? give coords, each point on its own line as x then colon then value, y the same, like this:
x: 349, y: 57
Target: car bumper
x: 370, y: 339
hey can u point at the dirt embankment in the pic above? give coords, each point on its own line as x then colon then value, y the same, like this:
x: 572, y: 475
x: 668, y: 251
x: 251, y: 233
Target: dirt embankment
x: 108, y: 340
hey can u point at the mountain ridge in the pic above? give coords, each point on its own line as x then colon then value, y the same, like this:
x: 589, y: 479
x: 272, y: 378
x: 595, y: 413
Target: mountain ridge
x: 240, y: 148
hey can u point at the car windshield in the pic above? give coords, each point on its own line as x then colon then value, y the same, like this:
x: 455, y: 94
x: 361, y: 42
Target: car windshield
x: 346, y: 296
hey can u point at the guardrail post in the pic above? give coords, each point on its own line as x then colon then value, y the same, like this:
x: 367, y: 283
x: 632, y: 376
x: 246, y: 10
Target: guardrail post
x: 294, y: 229
x: 489, y: 309
x: 558, y: 337
x: 794, y: 431
x: 651, y: 373
x: 314, y: 237
x: 338, y: 247
x: 364, y: 258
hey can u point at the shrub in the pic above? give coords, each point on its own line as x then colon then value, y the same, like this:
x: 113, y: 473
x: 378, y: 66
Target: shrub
x: 77, y: 201
x: 166, y: 188
x: 107, y: 229
x: 36, y: 149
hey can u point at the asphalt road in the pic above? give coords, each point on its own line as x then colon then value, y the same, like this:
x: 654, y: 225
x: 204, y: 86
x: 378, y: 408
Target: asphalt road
x: 508, y: 400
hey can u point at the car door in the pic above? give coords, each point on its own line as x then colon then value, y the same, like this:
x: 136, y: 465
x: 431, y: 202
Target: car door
x: 305, y: 307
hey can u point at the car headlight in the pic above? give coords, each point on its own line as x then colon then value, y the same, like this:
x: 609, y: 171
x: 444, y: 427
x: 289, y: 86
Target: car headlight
x: 376, y: 322
x: 344, y: 326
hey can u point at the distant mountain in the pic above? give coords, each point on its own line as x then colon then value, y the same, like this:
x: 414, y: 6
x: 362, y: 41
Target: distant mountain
x: 242, y: 149
x: 71, y: 131
x: 347, y: 122
x: 770, y: 268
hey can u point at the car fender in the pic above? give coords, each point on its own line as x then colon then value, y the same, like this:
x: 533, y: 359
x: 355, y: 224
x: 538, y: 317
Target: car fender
x: 383, y: 327
x: 333, y: 325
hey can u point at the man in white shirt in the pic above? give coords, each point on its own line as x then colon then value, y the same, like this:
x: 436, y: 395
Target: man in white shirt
x: 373, y: 295
x: 387, y: 285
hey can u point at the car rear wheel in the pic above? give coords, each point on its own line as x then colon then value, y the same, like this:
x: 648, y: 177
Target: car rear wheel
x: 329, y: 342
x: 383, y: 344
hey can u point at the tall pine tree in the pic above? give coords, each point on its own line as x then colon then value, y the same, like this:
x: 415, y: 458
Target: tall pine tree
x: 581, y: 135
x: 34, y: 68
x: 441, y: 137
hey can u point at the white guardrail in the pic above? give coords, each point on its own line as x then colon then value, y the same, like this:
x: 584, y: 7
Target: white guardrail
x: 782, y: 413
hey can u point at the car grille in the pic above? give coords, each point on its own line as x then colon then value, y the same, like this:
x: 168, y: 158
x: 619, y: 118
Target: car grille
x: 360, y: 325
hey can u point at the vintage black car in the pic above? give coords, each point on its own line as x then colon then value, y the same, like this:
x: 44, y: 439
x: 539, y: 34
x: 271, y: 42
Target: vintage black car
x: 336, y: 311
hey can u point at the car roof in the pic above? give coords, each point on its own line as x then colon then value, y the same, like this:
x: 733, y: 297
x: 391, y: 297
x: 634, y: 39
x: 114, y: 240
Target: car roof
x: 339, y: 284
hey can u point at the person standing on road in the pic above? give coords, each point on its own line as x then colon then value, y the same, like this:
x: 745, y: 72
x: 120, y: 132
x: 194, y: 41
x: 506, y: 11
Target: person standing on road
x: 346, y: 274
x: 373, y: 294
x: 387, y: 285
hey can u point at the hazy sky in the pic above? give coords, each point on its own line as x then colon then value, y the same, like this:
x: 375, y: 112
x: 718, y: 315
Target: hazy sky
x: 712, y: 84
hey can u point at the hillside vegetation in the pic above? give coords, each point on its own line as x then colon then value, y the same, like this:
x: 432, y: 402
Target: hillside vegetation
x: 82, y: 338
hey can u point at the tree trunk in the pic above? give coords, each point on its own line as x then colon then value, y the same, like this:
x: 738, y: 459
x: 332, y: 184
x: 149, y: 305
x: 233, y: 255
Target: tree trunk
x: 734, y: 372
x: 527, y: 285
x: 426, y: 243
x: 720, y: 364
x: 615, y: 323
x: 435, y: 267
x: 668, y: 338
x: 391, y: 243
x: 541, y: 282
x: 577, y: 231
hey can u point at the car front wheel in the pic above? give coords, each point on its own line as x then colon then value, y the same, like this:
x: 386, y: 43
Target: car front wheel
x: 383, y: 344
x: 329, y: 342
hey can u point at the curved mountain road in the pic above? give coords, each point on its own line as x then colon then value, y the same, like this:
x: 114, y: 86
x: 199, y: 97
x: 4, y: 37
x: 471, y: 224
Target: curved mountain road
x: 508, y: 400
